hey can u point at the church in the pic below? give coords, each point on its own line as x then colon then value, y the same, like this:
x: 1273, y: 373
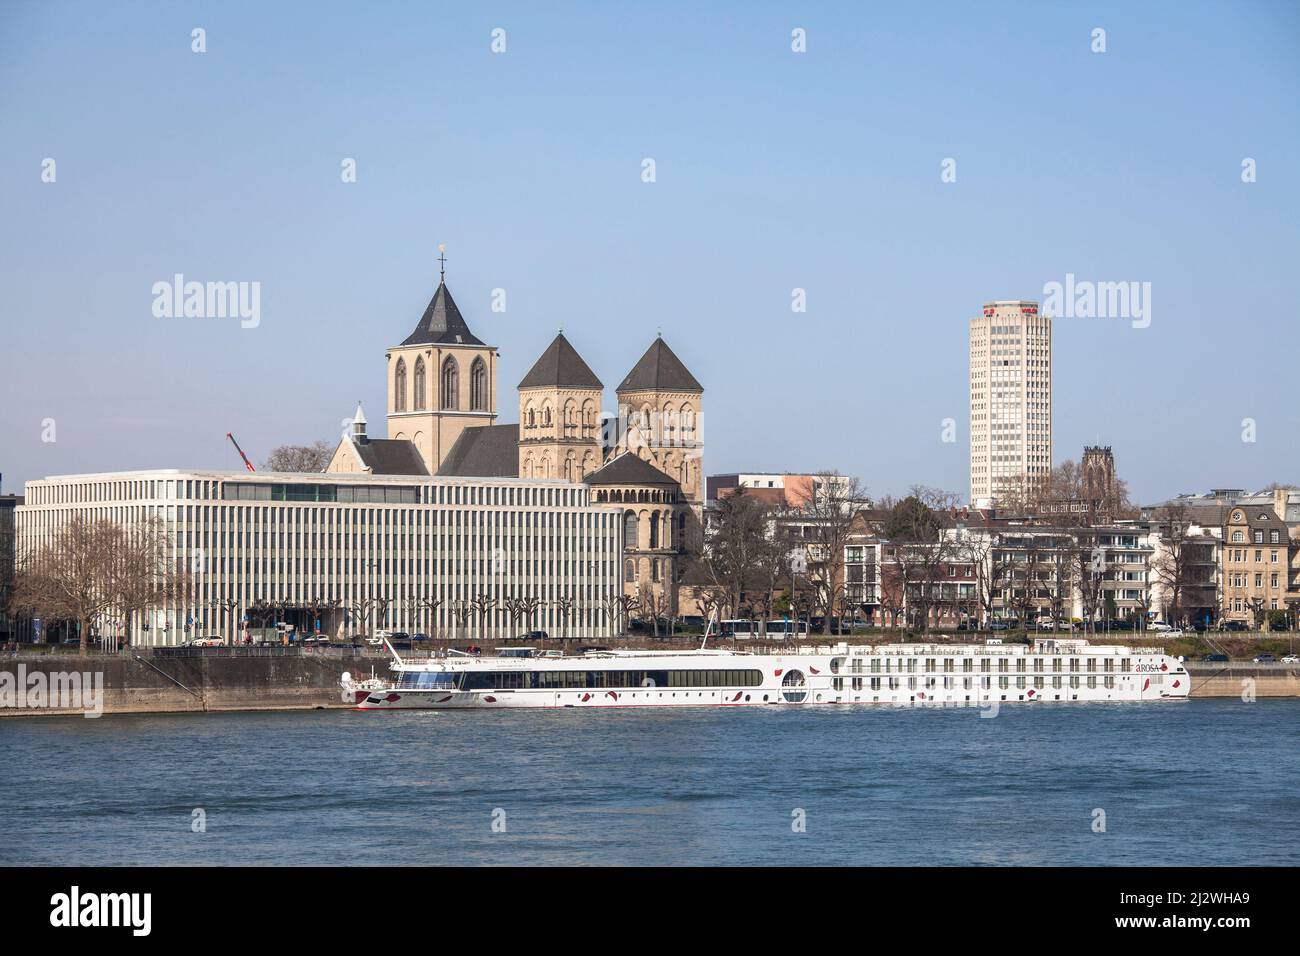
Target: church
x: 442, y: 421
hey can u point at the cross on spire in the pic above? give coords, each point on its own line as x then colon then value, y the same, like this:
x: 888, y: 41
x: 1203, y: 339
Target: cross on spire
x: 442, y: 262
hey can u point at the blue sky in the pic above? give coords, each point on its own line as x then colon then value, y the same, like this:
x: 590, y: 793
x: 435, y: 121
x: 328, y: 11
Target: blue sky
x: 775, y: 170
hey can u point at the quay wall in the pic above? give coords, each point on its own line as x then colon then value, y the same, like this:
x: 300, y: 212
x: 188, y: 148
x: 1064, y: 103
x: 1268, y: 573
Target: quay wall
x: 1234, y: 680
x: 154, y: 683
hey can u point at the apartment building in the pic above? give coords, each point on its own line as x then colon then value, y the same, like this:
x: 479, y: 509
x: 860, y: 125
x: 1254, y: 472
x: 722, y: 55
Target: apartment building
x: 1256, y: 568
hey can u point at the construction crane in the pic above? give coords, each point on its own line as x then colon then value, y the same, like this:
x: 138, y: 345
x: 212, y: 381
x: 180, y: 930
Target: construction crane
x: 248, y: 464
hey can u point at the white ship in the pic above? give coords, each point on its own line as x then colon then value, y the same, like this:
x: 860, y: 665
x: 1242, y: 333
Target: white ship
x: 975, y: 675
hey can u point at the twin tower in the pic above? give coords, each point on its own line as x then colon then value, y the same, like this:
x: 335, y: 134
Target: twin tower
x: 442, y: 397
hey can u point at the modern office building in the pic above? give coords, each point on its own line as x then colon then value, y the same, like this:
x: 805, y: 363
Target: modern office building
x: 352, y: 553
x: 1010, y: 398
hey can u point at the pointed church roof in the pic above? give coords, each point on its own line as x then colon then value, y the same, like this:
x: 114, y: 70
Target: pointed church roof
x: 560, y: 367
x: 442, y: 323
x: 660, y: 370
x: 629, y: 469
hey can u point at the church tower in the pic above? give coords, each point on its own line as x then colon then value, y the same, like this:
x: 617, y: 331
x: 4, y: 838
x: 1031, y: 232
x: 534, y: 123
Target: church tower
x: 659, y: 404
x: 441, y: 381
x: 559, y: 414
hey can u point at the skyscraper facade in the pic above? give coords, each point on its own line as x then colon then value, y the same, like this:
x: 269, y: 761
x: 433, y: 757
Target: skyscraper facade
x: 1010, y: 398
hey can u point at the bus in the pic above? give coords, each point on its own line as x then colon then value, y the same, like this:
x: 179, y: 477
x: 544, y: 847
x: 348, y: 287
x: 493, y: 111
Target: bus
x: 742, y: 629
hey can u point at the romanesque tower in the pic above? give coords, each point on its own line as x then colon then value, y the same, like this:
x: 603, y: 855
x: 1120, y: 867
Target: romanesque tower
x: 559, y: 416
x: 659, y: 406
x: 441, y: 381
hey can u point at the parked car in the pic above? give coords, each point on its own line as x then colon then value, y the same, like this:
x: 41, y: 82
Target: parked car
x: 206, y: 642
x: 999, y: 626
x: 1234, y: 626
x: 1215, y: 658
x: 419, y: 637
x: 1291, y: 659
x: 538, y: 636
x: 1172, y: 632
x: 1264, y: 659
x: 1159, y: 626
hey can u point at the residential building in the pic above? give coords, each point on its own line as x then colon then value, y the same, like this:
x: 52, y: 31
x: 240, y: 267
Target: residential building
x: 1256, y: 569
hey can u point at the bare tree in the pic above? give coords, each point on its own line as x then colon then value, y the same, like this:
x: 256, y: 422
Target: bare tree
x: 300, y: 458
x: 1176, y: 568
x: 921, y: 549
x: 654, y: 605
x: 482, y: 605
x: 564, y: 604
x: 835, y: 504
x: 515, y: 608
x: 740, y: 532
x: 370, y: 611
x: 618, y: 609
x: 463, y: 612
x: 94, y: 566
x: 428, y: 607
x: 983, y: 550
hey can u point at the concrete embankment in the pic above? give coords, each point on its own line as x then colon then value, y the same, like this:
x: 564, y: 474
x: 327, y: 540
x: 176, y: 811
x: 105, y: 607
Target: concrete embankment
x: 154, y: 683
x: 1238, y: 679
x: 224, y: 679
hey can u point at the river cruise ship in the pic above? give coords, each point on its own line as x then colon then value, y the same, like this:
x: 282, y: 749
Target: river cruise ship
x: 977, y: 675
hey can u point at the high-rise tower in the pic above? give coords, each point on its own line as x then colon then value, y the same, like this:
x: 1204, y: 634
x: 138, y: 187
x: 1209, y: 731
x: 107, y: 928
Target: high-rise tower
x: 1010, y: 398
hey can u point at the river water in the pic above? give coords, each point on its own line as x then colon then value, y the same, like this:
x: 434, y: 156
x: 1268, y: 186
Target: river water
x: 1188, y: 783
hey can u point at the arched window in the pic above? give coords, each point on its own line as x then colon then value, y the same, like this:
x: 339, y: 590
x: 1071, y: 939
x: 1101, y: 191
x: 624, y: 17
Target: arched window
x: 588, y: 420
x: 654, y: 530
x: 546, y: 417
x: 399, y: 386
x: 478, y: 386
x: 450, y: 384
x: 570, y: 418
x: 629, y: 531
x: 629, y: 572
x: 531, y: 417
x: 681, y: 531
x: 654, y: 570
x: 420, y: 385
